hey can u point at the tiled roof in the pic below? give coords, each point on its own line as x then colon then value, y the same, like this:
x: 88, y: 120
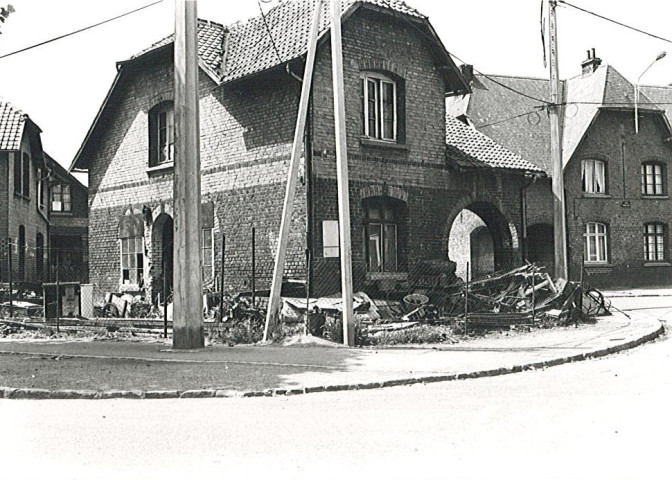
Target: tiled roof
x: 470, y: 148
x: 12, y: 121
x: 249, y: 46
x: 492, y: 108
x: 662, y: 96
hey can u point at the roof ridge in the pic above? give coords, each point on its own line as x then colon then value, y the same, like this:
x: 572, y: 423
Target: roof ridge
x: 519, y: 77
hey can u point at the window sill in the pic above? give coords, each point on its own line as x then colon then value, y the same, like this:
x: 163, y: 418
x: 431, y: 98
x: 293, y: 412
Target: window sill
x: 655, y: 197
x: 657, y: 264
x: 598, y: 265
x: 22, y: 197
x: 596, y: 195
x: 61, y: 214
x: 401, y: 276
x: 162, y: 168
x: 391, y: 144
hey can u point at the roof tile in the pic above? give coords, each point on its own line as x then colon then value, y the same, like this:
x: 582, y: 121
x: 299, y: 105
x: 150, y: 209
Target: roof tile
x: 12, y: 121
x: 250, y: 49
x: 470, y: 148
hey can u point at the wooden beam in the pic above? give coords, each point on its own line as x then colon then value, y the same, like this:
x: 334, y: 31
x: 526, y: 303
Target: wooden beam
x: 187, y: 264
x: 558, y: 183
x: 342, y: 173
x: 274, y: 305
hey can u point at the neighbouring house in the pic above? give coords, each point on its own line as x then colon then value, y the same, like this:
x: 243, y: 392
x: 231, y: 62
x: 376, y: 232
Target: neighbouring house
x: 68, y: 225
x: 413, y: 169
x: 616, y: 179
x: 24, y: 210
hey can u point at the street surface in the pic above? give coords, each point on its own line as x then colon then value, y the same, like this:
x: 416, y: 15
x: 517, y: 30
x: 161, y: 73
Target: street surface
x: 599, y: 419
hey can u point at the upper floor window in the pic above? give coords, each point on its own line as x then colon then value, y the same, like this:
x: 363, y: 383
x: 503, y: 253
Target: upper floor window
x: 40, y: 187
x: 22, y: 174
x: 379, y: 107
x: 595, y: 242
x: 61, y: 200
x: 381, y: 234
x: 593, y: 176
x: 161, y: 134
x: 654, y: 242
x: 653, y: 178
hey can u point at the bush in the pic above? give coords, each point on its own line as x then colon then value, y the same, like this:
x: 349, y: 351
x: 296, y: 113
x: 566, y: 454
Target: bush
x: 333, y: 331
x: 422, y: 334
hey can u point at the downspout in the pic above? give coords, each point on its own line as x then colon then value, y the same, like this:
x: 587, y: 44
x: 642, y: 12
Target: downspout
x: 308, y: 173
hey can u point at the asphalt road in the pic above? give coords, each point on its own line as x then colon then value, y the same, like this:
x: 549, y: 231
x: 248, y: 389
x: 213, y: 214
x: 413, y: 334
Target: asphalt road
x: 600, y: 419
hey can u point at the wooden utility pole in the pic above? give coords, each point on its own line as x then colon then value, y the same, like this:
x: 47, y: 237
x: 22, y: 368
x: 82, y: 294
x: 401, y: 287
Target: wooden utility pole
x: 283, y: 237
x: 559, y: 228
x: 342, y: 174
x: 187, y: 276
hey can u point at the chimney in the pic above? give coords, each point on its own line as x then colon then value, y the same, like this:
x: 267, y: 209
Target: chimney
x: 590, y: 64
x: 467, y: 73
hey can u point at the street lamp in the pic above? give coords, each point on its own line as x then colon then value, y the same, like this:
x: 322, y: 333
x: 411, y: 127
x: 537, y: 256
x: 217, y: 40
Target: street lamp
x: 660, y: 56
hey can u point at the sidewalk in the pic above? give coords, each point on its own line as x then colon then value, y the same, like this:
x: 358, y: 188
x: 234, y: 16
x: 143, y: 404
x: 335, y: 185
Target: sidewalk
x: 142, y: 369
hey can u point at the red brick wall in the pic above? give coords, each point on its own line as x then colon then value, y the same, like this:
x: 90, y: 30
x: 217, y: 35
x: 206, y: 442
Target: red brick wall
x: 21, y: 211
x: 247, y: 131
x: 612, y: 138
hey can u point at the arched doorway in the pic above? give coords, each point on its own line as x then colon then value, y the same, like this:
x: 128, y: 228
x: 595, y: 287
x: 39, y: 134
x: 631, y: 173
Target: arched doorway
x: 481, y: 237
x: 162, y: 256
x: 540, y: 246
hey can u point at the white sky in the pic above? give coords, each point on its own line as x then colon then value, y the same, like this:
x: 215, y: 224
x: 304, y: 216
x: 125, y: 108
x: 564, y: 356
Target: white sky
x: 61, y: 85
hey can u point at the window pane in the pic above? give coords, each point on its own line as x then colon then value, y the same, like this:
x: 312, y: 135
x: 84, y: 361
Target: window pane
x: 388, y: 111
x: 375, y: 247
x: 26, y: 175
x: 374, y: 212
x: 390, y: 248
x: 372, y: 109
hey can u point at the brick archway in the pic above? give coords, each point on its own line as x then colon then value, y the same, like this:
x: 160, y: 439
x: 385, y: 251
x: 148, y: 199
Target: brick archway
x: 499, y: 224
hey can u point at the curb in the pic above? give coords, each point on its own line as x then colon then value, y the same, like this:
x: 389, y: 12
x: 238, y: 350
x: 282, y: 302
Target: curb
x: 66, y: 394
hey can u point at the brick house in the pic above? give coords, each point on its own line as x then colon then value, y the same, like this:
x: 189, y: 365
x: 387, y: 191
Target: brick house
x: 68, y: 224
x: 616, y: 179
x: 406, y: 186
x: 23, y: 198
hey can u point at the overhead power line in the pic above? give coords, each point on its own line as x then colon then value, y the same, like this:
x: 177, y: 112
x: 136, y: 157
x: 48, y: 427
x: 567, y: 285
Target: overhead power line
x: 432, y: 39
x: 268, y: 30
x: 563, y: 2
x: 80, y: 30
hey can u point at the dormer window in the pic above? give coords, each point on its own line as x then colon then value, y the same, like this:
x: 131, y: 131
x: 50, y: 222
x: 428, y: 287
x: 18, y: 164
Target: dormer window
x: 379, y: 107
x: 161, y: 134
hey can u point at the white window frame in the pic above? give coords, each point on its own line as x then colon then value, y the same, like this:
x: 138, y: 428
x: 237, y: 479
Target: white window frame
x: 211, y: 274
x: 655, y: 172
x: 379, y: 80
x: 594, y: 176
x: 596, y: 243
x: 60, y: 190
x: 139, y: 278
x: 654, y: 242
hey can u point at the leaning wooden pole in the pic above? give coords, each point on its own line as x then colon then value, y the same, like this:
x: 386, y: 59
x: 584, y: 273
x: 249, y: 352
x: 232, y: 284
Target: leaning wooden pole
x: 187, y: 284
x: 283, y: 237
x: 342, y: 174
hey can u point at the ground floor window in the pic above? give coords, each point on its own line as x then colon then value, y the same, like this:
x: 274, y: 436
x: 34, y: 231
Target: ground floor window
x: 381, y: 234
x: 132, y: 260
x: 595, y: 241
x: 654, y: 242
x: 208, y: 254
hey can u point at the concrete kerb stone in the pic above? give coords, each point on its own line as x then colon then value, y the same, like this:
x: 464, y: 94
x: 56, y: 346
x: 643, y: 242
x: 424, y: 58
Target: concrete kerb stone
x: 37, y: 393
